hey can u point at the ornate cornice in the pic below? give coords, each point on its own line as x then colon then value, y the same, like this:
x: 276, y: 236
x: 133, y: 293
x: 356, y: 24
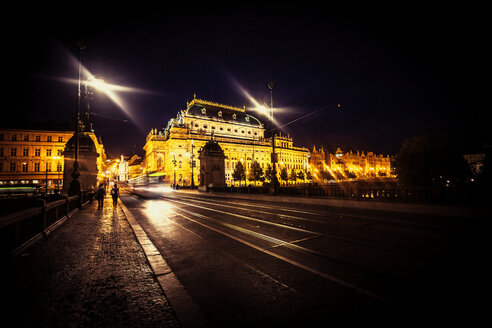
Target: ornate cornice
x: 210, y: 103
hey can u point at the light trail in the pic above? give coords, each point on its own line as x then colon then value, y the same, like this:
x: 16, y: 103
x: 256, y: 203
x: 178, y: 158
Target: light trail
x: 248, y: 218
x: 327, y: 235
x: 322, y: 274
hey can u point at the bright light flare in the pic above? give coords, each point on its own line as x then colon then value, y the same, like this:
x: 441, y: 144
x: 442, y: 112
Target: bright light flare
x: 158, y: 212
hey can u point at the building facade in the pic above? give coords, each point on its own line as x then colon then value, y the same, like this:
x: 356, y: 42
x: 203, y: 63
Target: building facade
x: 359, y: 165
x: 36, y: 157
x: 175, y: 149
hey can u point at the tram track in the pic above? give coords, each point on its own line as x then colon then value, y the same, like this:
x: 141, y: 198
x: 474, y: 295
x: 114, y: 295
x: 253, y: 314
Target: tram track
x: 309, y: 258
x: 333, y: 236
x: 334, y: 214
x: 356, y: 269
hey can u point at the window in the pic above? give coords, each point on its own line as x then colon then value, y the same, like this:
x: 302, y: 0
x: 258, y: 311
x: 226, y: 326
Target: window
x: 60, y: 139
x: 13, y: 151
x: 12, y: 166
x: 1, y: 136
x: 60, y: 152
x: 24, y: 167
x: 48, y: 167
x: 38, y: 138
x: 1, y: 166
x: 48, y: 152
x: 25, y: 152
x: 26, y: 137
x: 37, y: 152
x: 36, y: 167
x: 1, y: 151
x: 48, y: 139
x: 14, y: 137
x: 59, y: 167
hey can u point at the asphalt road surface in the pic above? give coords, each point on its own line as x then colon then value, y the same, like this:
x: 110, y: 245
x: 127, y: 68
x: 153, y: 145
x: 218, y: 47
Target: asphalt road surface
x: 260, y: 263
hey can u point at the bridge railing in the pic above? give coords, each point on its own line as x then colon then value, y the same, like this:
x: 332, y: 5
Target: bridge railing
x: 21, y: 229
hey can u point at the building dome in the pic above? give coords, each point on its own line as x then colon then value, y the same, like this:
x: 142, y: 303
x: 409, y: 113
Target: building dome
x: 212, y: 146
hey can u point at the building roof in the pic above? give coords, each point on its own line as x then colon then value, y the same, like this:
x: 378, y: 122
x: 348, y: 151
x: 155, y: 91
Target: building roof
x: 218, y: 112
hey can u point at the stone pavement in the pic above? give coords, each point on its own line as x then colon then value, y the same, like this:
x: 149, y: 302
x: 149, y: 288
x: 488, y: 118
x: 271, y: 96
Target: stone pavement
x: 90, y: 272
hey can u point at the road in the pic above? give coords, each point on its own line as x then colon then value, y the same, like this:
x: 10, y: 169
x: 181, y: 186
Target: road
x: 262, y: 263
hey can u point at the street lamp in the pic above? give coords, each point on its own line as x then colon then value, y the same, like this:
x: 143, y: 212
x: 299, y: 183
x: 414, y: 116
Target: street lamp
x: 174, y: 163
x: 274, y: 158
x: 192, y: 165
x: 74, y: 188
x: 58, y: 179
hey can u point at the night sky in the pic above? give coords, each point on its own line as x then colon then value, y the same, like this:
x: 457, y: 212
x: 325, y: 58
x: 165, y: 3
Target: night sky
x: 397, y: 72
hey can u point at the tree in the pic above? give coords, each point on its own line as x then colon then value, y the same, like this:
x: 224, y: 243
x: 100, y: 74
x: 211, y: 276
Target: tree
x: 256, y: 172
x: 309, y: 176
x: 284, y: 175
x: 239, y: 173
x: 293, y: 175
x: 301, y: 175
x: 429, y: 160
x: 269, y: 173
x: 326, y: 175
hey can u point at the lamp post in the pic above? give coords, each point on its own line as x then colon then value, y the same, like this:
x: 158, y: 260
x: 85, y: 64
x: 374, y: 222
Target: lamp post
x: 74, y: 188
x: 274, y: 155
x: 46, y: 178
x: 58, y: 179
x: 174, y: 163
x: 192, y: 165
x: 81, y: 46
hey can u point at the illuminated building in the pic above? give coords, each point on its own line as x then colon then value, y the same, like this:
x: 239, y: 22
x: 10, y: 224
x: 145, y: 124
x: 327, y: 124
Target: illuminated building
x: 360, y: 164
x: 36, y: 156
x: 240, y: 135
x: 317, y: 159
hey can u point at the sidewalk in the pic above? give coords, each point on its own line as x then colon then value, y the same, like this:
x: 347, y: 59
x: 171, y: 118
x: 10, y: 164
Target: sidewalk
x: 90, y: 272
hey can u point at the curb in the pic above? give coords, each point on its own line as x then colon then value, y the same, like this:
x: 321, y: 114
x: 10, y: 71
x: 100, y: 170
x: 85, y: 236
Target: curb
x: 187, y: 311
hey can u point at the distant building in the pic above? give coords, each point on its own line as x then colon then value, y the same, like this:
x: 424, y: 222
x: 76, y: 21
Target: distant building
x: 475, y: 161
x: 123, y: 174
x: 359, y: 165
x: 317, y: 159
x: 36, y: 156
x: 135, y: 166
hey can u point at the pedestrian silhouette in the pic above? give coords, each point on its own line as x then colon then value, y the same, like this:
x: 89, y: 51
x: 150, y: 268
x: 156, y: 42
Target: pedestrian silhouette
x: 115, y: 192
x: 100, y: 194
